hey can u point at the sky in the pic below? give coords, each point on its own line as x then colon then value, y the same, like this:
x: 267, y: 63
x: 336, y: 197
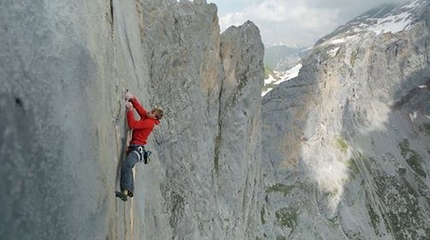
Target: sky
x: 293, y: 22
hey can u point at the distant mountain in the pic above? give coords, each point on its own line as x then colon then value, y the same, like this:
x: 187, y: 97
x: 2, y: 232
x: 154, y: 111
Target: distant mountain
x: 346, y: 143
x: 387, y: 18
x: 282, y: 57
x: 282, y: 60
x: 281, y: 63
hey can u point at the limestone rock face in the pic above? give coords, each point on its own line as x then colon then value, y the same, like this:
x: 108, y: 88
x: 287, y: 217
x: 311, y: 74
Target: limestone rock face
x: 65, y: 66
x: 347, y: 142
x: 209, y: 86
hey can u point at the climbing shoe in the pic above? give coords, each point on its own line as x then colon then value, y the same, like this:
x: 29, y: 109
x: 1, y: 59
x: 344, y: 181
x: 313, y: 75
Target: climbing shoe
x: 121, y: 195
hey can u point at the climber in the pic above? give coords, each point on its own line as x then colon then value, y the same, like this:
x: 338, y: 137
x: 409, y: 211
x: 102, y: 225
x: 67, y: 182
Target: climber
x: 136, y: 152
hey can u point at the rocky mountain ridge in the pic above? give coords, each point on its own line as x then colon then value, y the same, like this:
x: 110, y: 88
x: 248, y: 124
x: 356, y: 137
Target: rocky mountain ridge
x: 347, y: 140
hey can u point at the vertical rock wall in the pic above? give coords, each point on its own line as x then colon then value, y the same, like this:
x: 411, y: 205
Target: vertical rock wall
x: 64, y: 69
x: 199, y: 162
x: 58, y: 142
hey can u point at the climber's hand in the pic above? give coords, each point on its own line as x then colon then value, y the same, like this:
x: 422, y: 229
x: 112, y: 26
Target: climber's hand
x: 128, y: 105
x: 128, y: 96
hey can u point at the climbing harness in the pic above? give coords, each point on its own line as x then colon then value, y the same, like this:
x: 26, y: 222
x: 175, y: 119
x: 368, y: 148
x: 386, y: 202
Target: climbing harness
x: 142, y: 154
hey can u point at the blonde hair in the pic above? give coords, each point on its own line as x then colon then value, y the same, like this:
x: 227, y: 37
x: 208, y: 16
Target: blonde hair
x: 158, y: 112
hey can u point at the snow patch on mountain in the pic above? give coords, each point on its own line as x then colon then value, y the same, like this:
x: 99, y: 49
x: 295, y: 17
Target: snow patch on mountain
x: 392, y: 23
x: 387, y: 19
x: 340, y: 40
x: 333, y: 51
x: 280, y: 77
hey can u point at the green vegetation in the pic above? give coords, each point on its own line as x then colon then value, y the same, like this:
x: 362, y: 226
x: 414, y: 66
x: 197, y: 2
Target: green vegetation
x: 404, y: 212
x: 280, y: 188
x: 395, y: 226
x: 341, y: 143
x: 353, y: 166
x: 414, y: 162
x: 413, y: 159
x: 353, y: 58
x: 427, y: 128
x: 286, y: 218
x: 374, y: 218
x: 404, y: 147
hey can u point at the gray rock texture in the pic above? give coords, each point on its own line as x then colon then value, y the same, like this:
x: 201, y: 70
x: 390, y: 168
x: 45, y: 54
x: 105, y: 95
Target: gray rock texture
x: 347, y: 142
x: 64, y: 68
x: 340, y: 152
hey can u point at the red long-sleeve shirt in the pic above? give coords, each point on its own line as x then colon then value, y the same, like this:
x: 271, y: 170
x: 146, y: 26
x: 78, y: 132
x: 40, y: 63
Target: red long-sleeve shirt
x: 143, y: 127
